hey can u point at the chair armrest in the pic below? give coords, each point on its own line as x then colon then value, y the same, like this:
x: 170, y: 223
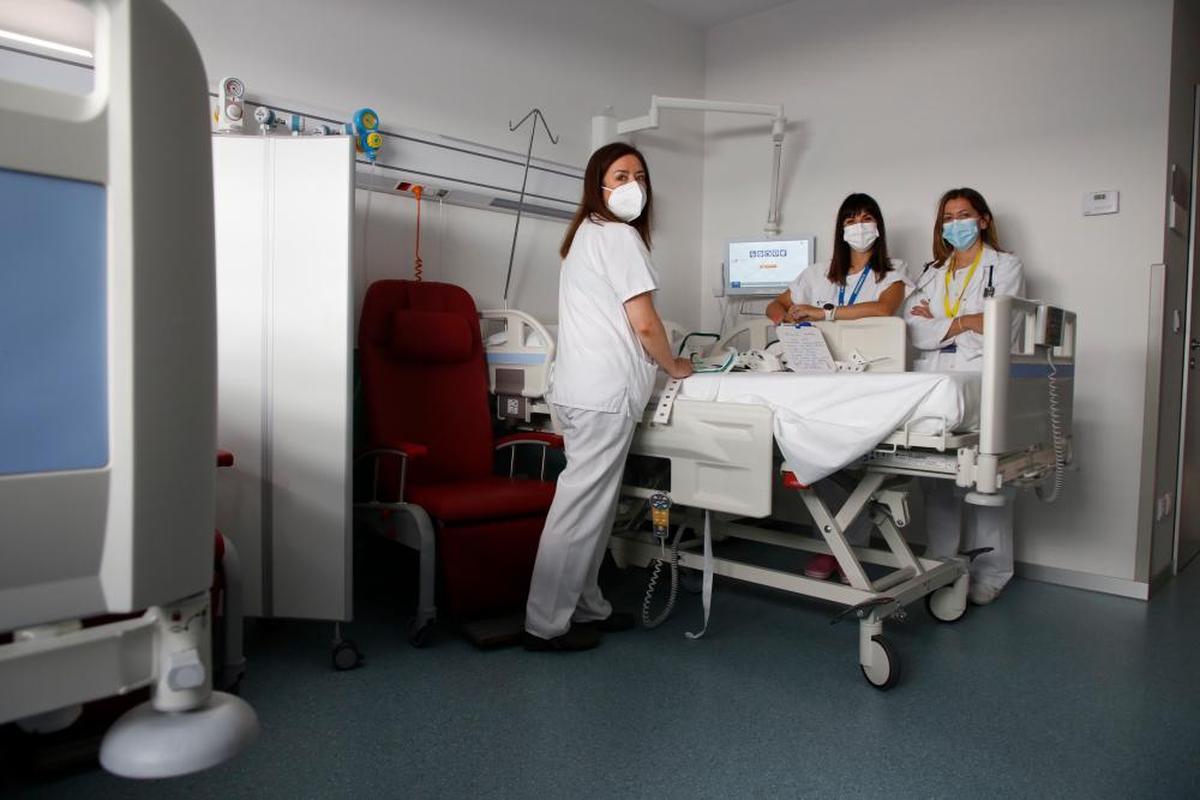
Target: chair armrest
x: 224, y: 458
x: 530, y: 437
x: 543, y: 440
x: 404, y: 451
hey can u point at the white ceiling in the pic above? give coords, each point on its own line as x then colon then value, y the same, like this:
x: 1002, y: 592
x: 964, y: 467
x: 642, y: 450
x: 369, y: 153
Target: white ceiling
x: 704, y: 14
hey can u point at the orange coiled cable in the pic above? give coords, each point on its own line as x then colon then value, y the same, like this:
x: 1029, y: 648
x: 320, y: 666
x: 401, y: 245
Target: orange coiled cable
x: 418, y: 266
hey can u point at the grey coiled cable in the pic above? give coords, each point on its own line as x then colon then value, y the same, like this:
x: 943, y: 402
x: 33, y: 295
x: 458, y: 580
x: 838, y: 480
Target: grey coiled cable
x: 1060, y: 444
x: 655, y: 573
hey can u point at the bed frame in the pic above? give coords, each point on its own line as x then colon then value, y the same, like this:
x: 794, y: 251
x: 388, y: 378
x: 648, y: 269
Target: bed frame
x: 718, y: 462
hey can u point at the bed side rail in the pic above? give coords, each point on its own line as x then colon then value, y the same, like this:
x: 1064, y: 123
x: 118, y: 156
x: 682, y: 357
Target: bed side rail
x: 1027, y: 346
x: 519, y: 355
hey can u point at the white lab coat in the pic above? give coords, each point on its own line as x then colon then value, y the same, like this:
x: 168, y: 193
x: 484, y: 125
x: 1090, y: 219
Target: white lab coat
x: 985, y: 526
x: 927, y: 336
x: 601, y: 384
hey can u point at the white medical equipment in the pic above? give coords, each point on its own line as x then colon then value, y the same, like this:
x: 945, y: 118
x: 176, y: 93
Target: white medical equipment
x: 106, y: 405
x: 231, y: 111
x: 714, y: 449
x: 606, y: 128
x: 765, y: 267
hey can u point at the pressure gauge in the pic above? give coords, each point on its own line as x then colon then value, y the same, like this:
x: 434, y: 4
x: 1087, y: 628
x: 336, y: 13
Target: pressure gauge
x: 230, y: 113
x: 365, y: 119
x: 264, y: 116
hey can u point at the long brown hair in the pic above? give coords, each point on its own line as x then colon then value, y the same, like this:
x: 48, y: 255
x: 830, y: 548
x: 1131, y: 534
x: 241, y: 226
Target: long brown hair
x: 593, y: 206
x: 839, y: 265
x: 943, y: 251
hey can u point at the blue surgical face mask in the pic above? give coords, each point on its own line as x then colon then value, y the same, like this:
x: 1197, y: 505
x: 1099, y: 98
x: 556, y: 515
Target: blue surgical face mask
x: 961, y: 233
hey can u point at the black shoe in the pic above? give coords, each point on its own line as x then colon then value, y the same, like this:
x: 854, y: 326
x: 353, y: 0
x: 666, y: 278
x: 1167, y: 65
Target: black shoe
x: 614, y: 622
x: 579, y: 637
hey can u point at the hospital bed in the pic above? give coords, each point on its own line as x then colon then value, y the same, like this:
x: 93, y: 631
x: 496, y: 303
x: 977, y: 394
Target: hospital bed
x: 711, y: 441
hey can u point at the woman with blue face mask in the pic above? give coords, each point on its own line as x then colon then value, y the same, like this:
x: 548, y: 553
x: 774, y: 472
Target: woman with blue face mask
x: 945, y: 311
x: 945, y: 327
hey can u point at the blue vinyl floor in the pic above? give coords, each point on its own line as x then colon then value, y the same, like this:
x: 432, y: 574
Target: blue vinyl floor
x: 1049, y: 693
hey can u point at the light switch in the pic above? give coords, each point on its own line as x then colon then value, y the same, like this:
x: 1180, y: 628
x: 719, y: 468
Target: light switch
x: 1104, y: 201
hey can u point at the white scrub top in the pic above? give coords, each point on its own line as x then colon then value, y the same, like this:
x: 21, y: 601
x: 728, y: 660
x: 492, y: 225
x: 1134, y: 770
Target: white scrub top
x: 812, y: 287
x: 600, y: 364
x: 931, y: 352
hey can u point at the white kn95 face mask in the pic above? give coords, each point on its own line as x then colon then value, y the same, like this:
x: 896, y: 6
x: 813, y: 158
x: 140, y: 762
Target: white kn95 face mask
x: 626, y: 201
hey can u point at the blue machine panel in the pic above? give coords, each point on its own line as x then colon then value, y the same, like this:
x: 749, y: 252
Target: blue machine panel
x: 53, y: 332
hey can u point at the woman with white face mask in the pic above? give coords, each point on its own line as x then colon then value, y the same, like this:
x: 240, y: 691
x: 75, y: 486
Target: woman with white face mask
x: 860, y: 281
x: 945, y: 328
x: 610, y: 343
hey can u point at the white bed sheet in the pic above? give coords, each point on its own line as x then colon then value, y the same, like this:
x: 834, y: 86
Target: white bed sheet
x: 825, y: 422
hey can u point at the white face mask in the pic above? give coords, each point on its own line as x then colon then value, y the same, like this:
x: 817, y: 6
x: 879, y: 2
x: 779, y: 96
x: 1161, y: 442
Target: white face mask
x: 861, y: 235
x: 626, y: 201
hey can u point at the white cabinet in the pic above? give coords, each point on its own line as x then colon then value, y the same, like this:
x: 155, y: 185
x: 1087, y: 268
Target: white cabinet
x: 284, y: 230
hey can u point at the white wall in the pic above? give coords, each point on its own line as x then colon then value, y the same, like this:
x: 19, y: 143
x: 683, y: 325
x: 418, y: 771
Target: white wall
x: 466, y: 68
x: 1033, y: 102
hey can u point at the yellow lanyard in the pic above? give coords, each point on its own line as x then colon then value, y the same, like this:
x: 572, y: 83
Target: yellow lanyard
x: 952, y: 310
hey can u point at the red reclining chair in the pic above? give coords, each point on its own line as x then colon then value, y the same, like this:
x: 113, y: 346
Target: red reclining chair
x: 431, y: 453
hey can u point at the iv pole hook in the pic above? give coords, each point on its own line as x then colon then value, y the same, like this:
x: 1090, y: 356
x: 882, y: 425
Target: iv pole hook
x: 537, y: 116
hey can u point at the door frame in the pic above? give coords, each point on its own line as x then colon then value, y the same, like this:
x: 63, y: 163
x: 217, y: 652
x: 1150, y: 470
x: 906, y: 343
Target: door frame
x: 1190, y: 330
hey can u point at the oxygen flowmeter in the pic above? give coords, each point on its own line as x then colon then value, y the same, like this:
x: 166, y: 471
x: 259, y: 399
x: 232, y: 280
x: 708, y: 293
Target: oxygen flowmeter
x: 367, y: 138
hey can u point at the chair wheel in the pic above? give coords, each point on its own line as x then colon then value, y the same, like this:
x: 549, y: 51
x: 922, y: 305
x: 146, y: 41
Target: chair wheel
x: 885, y: 672
x: 346, y: 656
x: 420, y: 635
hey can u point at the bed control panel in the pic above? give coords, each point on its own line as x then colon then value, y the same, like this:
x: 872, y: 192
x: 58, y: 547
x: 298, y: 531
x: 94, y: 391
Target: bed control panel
x: 1050, y: 321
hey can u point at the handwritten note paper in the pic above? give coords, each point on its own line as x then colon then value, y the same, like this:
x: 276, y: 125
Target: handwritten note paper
x: 805, y: 349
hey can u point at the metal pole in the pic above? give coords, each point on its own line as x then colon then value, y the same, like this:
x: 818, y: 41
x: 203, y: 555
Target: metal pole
x: 536, y: 114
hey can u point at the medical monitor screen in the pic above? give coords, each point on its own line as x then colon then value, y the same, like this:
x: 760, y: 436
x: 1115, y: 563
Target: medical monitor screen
x: 53, y: 331
x: 766, y: 266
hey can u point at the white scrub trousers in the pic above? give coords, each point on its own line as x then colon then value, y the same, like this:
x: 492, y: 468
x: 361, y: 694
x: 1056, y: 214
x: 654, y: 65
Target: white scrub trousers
x: 986, y: 526
x: 564, y: 587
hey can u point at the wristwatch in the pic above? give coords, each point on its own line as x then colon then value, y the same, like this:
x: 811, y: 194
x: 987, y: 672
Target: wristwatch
x: 830, y: 311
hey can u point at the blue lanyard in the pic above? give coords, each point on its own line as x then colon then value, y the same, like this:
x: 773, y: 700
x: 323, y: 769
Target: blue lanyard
x: 862, y: 277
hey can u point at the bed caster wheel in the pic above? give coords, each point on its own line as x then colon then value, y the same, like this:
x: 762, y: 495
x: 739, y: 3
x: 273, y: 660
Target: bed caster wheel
x: 946, y: 604
x: 420, y: 634
x: 346, y: 656
x: 884, y: 671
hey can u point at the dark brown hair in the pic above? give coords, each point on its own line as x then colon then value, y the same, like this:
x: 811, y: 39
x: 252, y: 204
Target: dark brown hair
x: 593, y: 206
x: 839, y: 265
x: 941, y: 250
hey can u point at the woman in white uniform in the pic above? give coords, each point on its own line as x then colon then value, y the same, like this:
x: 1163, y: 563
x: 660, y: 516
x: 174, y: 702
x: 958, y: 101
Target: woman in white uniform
x: 860, y: 281
x: 945, y: 326
x: 610, y: 342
